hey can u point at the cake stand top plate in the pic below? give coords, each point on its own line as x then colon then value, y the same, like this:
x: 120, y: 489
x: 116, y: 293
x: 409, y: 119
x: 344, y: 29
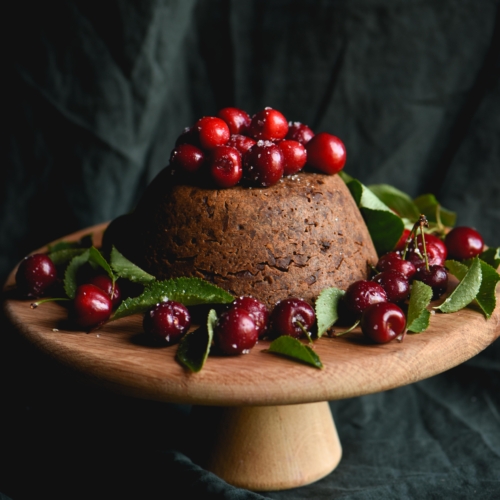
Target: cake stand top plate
x: 115, y: 357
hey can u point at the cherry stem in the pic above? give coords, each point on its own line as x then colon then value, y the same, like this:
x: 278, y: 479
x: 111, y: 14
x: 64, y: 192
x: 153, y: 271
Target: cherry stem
x: 422, y: 221
x: 304, y: 329
x: 34, y: 305
x: 350, y: 329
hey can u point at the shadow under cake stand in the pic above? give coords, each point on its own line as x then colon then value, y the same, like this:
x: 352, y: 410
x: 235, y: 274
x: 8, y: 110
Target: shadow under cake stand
x: 274, y: 429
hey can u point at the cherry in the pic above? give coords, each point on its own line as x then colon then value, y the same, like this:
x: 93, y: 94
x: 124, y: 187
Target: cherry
x: 383, y: 322
x: 326, y: 153
x: 263, y: 164
x: 35, y: 274
x: 268, y: 125
x: 235, y: 331
x: 188, y: 136
x: 92, y: 306
x: 436, y: 277
x: 104, y: 282
x: 241, y: 142
x: 290, y: 317
x: 400, y: 245
x: 434, y: 255
x: 294, y: 156
x: 396, y: 286
x: 212, y: 132
x: 167, y: 322
x: 392, y: 261
x: 363, y: 293
x: 463, y: 243
x: 237, y: 120
x: 187, y: 157
x: 225, y: 166
x: 299, y: 132
x: 436, y: 241
x: 257, y: 310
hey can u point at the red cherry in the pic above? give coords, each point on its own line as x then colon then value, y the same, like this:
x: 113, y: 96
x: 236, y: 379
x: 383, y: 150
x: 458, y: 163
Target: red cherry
x: 268, y: 125
x: 35, y: 274
x: 396, y: 285
x: 294, y: 156
x: 187, y: 157
x: 436, y: 277
x: 434, y: 255
x: 326, y: 153
x: 263, y: 164
x: 104, y: 282
x: 288, y: 315
x: 235, y: 331
x: 92, y: 306
x: 392, y: 261
x: 361, y: 294
x: 257, y: 310
x: 383, y: 322
x: 400, y: 245
x: 463, y: 243
x: 437, y: 242
x: 225, y: 166
x: 212, y: 132
x: 241, y: 142
x: 167, y: 322
x: 237, y: 120
x: 188, y: 136
x: 299, y: 132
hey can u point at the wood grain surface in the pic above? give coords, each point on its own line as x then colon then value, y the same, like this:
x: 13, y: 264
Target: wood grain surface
x: 116, y: 357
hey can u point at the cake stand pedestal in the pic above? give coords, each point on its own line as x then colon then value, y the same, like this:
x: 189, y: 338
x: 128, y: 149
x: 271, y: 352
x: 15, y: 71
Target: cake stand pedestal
x: 267, y: 421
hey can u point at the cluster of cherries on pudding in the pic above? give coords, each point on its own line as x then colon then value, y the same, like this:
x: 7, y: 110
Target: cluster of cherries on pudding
x: 234, y: 148
x: 377, y: 302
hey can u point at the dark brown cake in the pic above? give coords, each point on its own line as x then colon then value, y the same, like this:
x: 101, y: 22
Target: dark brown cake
x: 293, y: 239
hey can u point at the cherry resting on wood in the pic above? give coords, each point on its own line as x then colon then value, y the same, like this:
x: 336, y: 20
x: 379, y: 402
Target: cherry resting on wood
x: 35, y: 274
x: 383, y: 322
x: 167, y: 322
x: 235, y: 331
x: 362, y: 294
x: 257, y: 310
x: 104, y: 282
x: 91, y: 306
x: 291, y: 317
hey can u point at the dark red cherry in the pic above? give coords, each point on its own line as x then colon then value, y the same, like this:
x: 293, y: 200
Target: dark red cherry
x: 212, y: 132
x: 257, y: 309
x: 294, y: 156
x: 92, y: 306
x: 436, y: 277
x: 188, y: 136
x: 225, y: 166
x: 400, y: 245
x: 436, y: 241
x: 463, y: 243
x: 392, y: 261
x: 237, y: 120
x: 290, y: 317
x: 396, y: 286
x: 241, y: 142
x: 263, y: 164
x: 235, y: 331
x: 268, y: 125
x: 434, y: 255
x: 363, y: 293
x: 167, y: 322
x: 104, y: 282
x: 35, y: 274
x: 299, y: 132
x: 326, y: 152
x: 187, y: 157
x: 383, y: 322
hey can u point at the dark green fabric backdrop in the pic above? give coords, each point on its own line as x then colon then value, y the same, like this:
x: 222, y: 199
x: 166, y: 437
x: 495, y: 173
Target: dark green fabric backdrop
x: 95, y: 95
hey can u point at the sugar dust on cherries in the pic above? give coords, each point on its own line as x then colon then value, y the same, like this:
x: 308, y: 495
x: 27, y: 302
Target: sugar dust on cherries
x: 269, y: 147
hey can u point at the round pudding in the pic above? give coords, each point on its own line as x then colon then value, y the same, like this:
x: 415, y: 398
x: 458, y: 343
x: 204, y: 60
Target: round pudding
x: 294, y: 239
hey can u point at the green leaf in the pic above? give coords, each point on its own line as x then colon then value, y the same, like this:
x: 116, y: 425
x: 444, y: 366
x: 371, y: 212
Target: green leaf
x: 492, y: 257
x: 326, y: 308
x: 466, y: 290
x: 458, y: 269
x: 194, y: 347
x: 70, y: 282
x: 292, y: 348
x: 64, y: 255
x: 97, y: 258
x: 397, y: 200
x: 83, y: 243
x: 418, y: 315
x: 428, y: 205
x: 486, y: 297
x: 187, y: 291
x: 126, y: 269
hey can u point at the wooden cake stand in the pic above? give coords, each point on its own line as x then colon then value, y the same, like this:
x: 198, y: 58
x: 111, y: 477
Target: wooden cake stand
x: 274, y: 427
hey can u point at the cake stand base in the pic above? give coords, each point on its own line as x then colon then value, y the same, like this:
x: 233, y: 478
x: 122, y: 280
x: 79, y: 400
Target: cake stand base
x: 264, y: 448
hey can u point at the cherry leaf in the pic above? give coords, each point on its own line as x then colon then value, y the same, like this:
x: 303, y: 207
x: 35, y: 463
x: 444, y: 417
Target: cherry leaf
x: 70, y: 282
x: 396, y: 200
x: 467, y: 289
x: 124, y: 268
x: 428, y: 205
x: 492, y: 257
x: 65, y: 255
x: 326, y: 308
x: 194, y: 347
x: 95, y: 257
x: 292, y: 348
x: 418, y: 315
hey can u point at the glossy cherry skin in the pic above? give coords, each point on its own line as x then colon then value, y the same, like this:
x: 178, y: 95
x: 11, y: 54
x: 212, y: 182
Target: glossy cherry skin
x: 212, y: 132
x: 463, y: 243
x: 287, y: 316
x: 225, y: 166
x: 436, y: 241
x: 263, y: 164
x: 400, y: 245
x: 434, y: 255
x: 383, y: 322
x: 241, y: 142
x: 392, y: 261
x: 326, y: 153
x: 104, y: 282
x: 299, y: 132
x: 436, y: 277
x: 188, y: 136
x: 187, y: 157
x: 92, y: 306
x: 362, y: 294
x: 235, y: 331
x: 167, y: 322
x: 237, y: 120
x: 294, y: 156
x: 268, y: 125
x: 257, y: 309
x: 396, y: 286
x: 35, y: 274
